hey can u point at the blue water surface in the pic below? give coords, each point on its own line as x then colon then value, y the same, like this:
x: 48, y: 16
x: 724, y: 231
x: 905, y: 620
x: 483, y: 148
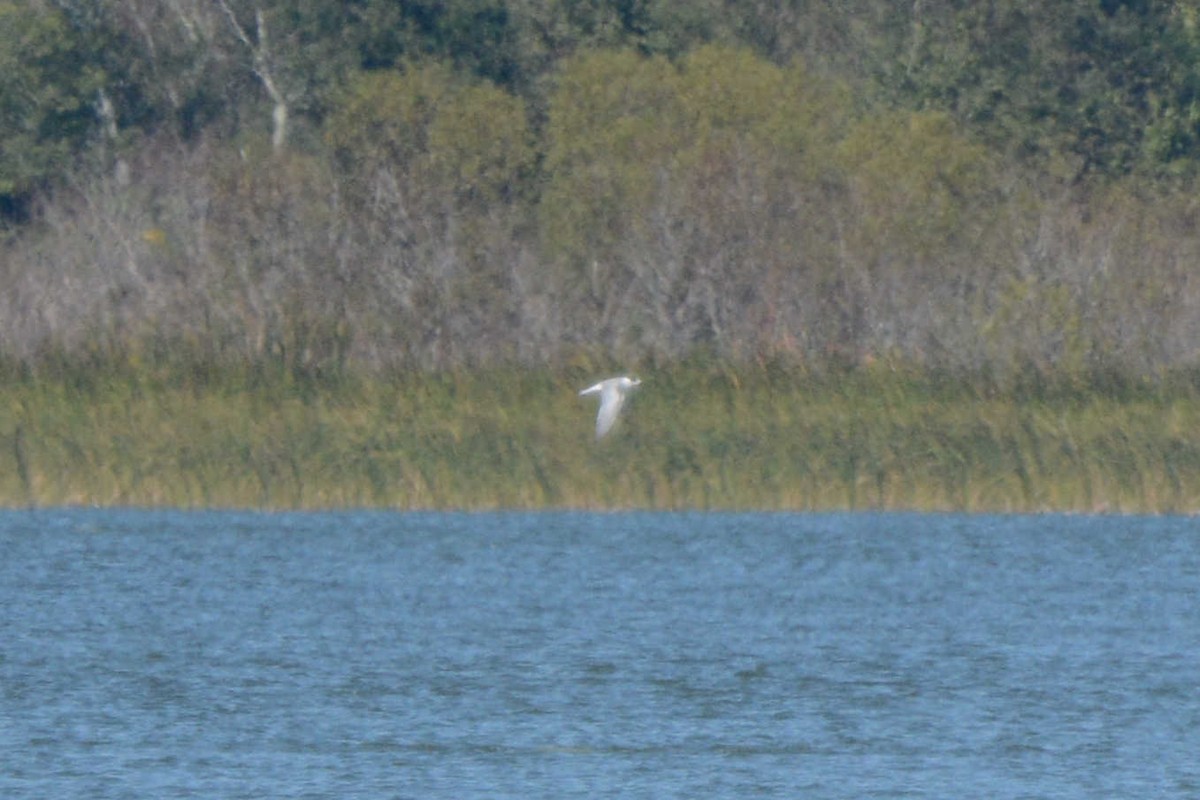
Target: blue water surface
x: 153, y: 654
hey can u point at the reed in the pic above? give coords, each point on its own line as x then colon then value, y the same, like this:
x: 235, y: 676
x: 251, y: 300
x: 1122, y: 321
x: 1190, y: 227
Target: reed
x: 697, y: 436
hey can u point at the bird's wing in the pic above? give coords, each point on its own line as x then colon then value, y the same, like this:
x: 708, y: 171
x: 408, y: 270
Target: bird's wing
x: 593, y: 389
x: 610, y: 406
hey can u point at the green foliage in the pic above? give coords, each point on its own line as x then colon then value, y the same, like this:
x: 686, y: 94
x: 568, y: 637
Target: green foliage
x: 612, y: 118
x: 480, y: 144
x: 921, y: 185
x: 1079, y: 88
x: 624, y: 128
x: 1087, y: 88
x: 384, y: 116
x: 47, y: 97
x: 470, y: 139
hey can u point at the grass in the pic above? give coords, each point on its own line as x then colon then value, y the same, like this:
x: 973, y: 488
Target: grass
x: 695, y: 436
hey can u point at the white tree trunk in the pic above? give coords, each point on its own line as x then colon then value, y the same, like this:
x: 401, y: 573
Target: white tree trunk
x: 261, y: 53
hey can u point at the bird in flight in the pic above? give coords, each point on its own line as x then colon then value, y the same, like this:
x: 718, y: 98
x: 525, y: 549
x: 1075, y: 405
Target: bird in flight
x: 612, y: 393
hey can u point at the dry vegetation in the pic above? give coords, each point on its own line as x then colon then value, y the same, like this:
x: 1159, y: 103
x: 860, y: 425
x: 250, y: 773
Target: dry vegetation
x: 721, y: 205
x: 697, y: 437
x: 843, y: 293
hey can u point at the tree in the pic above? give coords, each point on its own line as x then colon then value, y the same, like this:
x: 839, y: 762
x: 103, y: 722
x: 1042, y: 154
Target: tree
x: 434, y: 168
x: 1085, y: 87
x: 683, y: 202
x: 48, y: 98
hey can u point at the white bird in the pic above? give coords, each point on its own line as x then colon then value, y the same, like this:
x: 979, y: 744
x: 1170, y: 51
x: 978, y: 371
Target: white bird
x: 612, y: 393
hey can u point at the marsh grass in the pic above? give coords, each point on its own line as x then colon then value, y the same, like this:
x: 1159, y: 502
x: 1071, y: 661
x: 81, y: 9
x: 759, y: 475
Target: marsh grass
x: 695, y: 436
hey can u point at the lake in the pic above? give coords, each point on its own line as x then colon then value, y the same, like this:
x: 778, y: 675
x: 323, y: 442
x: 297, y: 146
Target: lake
x: 157, y: 654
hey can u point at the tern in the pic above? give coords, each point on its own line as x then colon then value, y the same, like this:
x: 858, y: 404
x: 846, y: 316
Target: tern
x: 612, y: 393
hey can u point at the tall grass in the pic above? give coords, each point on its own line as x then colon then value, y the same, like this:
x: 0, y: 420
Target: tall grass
x: 695, y: 436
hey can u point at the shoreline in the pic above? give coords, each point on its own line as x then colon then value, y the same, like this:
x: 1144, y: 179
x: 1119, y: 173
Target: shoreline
x: 699, y: 439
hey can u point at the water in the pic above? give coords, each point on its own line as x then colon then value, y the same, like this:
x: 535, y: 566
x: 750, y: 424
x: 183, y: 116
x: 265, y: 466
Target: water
x: 559, y: 655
